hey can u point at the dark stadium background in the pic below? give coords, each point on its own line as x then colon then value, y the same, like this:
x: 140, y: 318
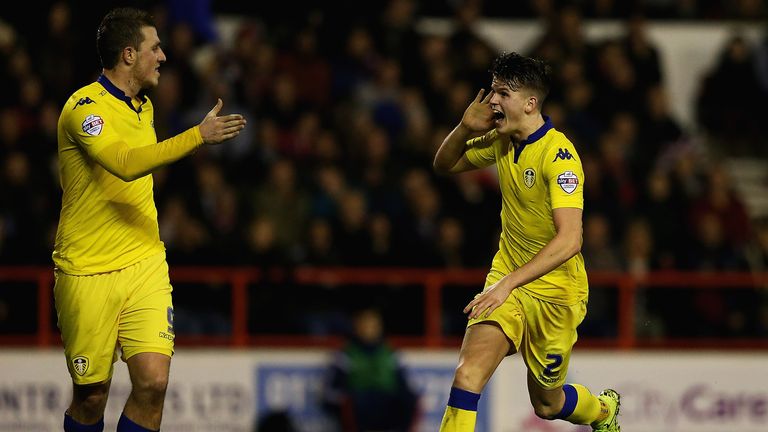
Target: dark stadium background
x: 338, y: 151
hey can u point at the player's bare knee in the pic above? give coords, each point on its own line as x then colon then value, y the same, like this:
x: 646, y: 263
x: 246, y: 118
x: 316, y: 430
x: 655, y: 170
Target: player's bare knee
x: 91, y: 399
x: 151, y: 387
x: 92, y: 404
x: 462, y: 377
x: 469, y: 378
x: 545, y: 410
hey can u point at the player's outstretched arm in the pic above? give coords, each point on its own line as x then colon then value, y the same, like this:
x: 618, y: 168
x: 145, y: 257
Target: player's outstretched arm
x: 216, y: 129
x: 130, y: 163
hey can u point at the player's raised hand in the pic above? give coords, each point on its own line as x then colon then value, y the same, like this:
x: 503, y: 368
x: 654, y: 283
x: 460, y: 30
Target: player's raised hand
x: 478, y: 116
x: 216, y: 129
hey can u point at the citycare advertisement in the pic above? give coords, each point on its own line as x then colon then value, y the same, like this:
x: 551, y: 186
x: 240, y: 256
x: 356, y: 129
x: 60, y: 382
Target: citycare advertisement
x: 226, y: 390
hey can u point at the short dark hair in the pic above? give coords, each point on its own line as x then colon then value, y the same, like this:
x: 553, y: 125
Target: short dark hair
x: 518, y: 72
x: 120, y: 28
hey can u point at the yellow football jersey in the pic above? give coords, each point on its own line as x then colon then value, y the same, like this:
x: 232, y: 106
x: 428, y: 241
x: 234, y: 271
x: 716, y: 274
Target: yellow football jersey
x: 542, y: 174
x: 106, y: 223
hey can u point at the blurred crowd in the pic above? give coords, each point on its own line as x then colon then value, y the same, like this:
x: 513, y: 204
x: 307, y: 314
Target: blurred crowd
x: 345, y: 113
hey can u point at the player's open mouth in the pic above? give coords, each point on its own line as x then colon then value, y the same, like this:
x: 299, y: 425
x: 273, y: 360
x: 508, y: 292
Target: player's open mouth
x: 498, y: 116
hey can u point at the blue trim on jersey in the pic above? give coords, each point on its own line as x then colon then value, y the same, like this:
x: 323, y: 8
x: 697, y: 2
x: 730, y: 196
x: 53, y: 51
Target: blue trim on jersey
x: 116, y: 92
x: 532, y: 138
x: 463, y: 399
x: 70, y: 425
x: 571, y: 398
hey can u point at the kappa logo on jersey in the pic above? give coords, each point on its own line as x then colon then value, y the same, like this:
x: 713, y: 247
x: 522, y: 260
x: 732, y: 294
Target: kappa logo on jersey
x: 563, y: 154
x: 529, y: 177
x: 568, y: 181
x: 80, y: 364
x: 83, y: 101
x: 93, y: 124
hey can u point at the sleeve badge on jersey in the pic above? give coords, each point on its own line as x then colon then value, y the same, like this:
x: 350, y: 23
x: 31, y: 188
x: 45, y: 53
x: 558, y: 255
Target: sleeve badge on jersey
x: 93, y: 124
x: 568, y: 181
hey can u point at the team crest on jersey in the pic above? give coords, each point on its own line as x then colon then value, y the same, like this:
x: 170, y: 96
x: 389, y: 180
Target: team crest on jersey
x: 529, y: 177
x: 93, y: 124
x: 568, y: 181
x: 80, y: 364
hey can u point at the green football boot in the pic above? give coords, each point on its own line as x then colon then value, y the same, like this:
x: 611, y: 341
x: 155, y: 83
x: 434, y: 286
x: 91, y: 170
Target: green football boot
x: 612, y: 401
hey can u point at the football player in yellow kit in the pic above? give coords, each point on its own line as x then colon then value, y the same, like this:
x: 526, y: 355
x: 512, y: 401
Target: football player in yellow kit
x: 112, y: 288
x: 535, y: 294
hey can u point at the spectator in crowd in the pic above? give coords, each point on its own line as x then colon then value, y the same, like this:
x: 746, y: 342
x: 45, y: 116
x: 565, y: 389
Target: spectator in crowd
x: 712, y: 249
x: 351, y: 228
x: 720, y: 200
x: 663, y: 206
x: 188, y: 240
x: 471, y: 52
x: 450, y: 243
x: 564, y: 37
x: 600, y: 255
x: 642, y: 52
x: 385, y: 249
x: 653, y: 304
x: 658, y: 129
x: 396, y: 37
x: 320, y: 249
x: 598, y: 249
x: 620, y: 89
x: 734, y: 127
x: 367, y: 388
x: 285, y: 201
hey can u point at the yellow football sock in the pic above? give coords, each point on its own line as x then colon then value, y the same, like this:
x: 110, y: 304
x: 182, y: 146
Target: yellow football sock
x: 458, y: 420
x: 461, y: 412
x: 581, y: 406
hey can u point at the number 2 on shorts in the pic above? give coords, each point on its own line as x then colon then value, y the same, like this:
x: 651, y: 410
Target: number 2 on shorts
x: 557, y: 360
